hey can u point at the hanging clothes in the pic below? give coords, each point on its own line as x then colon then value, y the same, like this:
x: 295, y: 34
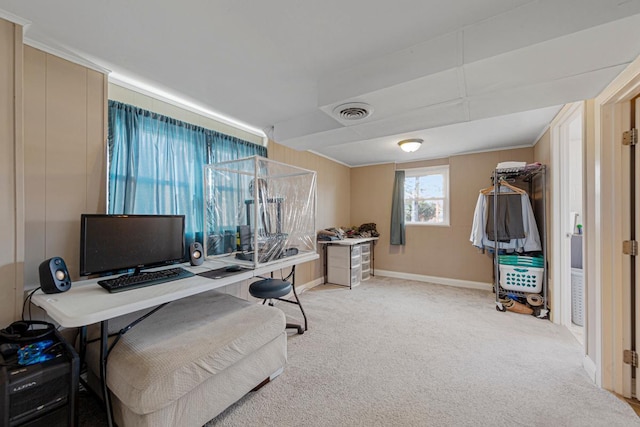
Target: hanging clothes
x: 508, y: 223
x: 509, y: 217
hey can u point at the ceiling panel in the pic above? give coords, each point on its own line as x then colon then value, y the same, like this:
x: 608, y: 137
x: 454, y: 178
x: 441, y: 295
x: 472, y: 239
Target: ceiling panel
x: 555, y: 59
x: 421, y: 60
x: 407, y: 96
x: 514, y: 130
x: 423, y: 65
x: 539, y: 21
x: 549, y: 93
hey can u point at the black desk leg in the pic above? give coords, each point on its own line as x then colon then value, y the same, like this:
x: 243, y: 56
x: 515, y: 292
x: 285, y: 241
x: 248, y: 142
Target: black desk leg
x: 373, y: 257
x: 295, y: 294
x: 82, y: 338
x: 324, y: 264
x: 104, y: 352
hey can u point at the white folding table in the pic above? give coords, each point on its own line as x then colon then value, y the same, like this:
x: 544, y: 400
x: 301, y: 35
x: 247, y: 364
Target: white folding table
x: 88, y: 303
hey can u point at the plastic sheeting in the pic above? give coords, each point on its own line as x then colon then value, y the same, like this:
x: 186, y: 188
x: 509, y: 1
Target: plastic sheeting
x: 258, y: 210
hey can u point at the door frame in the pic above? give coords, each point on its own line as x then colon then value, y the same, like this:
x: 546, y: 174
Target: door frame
x: 561, y: 246
x: 607, y: 268
x: 635, y: 261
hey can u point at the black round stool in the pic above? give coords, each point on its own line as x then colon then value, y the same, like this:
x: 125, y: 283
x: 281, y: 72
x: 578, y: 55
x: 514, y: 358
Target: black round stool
x: 270, y: 289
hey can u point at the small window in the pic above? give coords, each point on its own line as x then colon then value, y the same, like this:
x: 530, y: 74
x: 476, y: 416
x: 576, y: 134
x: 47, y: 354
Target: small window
x: 426, y: 196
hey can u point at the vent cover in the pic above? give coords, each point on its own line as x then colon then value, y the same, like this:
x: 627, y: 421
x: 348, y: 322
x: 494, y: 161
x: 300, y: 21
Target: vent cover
x: 353, y: 111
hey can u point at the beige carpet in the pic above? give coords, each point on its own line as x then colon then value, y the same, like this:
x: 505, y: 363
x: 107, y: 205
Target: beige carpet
x: 399, y: 353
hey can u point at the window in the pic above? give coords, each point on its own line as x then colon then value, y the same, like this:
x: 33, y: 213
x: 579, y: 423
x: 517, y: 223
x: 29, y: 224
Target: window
x: 426, y: 196
x: 156, y: 162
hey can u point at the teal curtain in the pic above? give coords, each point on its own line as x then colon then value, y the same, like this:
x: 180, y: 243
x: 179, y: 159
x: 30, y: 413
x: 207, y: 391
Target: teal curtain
x: 221, y: 147
x: 156, y: 164
x: 397, y: 210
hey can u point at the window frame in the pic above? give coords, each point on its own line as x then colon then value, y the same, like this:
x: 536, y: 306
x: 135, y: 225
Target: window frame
x: 433, y: 170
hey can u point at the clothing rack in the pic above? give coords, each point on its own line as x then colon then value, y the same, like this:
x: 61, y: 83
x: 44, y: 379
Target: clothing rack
x: 528, y: 175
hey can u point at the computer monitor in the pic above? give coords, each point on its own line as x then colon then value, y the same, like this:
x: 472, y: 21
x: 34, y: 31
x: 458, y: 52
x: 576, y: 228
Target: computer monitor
x: 113, y: 243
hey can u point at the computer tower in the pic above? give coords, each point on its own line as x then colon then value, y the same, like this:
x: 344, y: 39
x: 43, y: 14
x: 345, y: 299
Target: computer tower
x: 43, y: 394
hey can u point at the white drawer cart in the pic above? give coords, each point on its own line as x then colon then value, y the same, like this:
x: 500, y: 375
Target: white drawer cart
x: 348, y: 262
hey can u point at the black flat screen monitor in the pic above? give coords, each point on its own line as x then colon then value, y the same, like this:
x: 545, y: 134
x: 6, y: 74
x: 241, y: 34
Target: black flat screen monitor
x: 113, y: 243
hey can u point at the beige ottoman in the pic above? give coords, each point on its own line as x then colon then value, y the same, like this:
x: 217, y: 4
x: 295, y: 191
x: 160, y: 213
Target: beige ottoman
x: 192, y: 359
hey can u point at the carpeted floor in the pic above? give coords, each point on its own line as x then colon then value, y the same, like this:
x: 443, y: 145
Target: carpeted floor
x: 400, y: 353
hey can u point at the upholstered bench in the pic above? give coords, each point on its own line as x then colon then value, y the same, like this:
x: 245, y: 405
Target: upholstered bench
x: 190, y: 360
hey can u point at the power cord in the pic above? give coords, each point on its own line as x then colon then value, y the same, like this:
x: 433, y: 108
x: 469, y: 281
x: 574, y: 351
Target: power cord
x: 28, y: 299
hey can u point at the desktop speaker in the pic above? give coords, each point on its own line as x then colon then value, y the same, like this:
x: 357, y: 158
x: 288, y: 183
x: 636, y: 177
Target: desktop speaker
x: 54, y: 276
x: 245, y: 237
x: 196, y: 254
x: 229, y: 241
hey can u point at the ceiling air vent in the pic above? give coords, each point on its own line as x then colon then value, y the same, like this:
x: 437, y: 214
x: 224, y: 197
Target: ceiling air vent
x: 353, y: 111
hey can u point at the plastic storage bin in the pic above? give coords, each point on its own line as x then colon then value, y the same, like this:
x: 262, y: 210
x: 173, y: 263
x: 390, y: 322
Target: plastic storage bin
x: 577, y: 296
x: 520, y: 260
x: 356, y: 274
x: 338, y: 256
x: 519, y: 278
x: 355, y: 251
x: 344, y: 276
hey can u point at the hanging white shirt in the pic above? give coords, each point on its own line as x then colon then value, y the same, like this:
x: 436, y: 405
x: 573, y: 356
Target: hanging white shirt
x: 479, y: 239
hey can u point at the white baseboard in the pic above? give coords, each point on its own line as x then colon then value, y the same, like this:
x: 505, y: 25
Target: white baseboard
x: 590, y: 367
x: 312, y: 284
x: 438, y: 280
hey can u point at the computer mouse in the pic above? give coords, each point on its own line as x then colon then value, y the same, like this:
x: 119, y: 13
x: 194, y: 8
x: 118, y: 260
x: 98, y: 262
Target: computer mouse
x: 232, y: 268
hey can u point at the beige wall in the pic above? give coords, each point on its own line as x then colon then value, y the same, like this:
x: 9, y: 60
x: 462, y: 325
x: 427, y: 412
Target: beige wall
x: 11, y: 172
x: 334, y: 196
x: 435, y: 251
x: 52, y: 130
x: 65, y: 169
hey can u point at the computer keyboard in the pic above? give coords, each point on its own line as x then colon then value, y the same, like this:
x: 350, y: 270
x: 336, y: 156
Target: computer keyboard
x: 140, y: 280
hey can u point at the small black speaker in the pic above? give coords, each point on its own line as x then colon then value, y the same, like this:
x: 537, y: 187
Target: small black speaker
x: 229, y: 241
x: 54, y: 276
x: 245, y: 237
x: 196, y: 254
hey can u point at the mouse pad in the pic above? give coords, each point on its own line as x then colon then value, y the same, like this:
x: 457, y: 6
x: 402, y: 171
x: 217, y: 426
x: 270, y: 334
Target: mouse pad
x: 219, y: 273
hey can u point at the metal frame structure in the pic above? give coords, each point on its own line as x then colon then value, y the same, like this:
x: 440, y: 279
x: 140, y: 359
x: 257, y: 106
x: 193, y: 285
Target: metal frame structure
x: 526, y: 174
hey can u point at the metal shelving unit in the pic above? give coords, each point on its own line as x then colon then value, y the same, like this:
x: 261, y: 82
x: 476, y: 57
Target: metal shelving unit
x: 528, y: 175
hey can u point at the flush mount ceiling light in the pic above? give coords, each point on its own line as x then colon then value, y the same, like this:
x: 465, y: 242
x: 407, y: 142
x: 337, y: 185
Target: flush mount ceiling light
x: 410, y: 145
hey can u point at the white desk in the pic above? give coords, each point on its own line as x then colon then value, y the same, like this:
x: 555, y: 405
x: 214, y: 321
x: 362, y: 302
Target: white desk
x: 87, y: 302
